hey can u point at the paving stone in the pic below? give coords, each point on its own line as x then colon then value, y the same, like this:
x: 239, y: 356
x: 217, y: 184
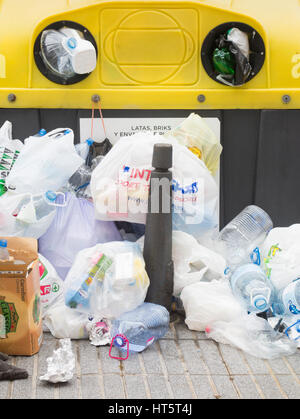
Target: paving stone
x: 225, y: 387
x: 289, y: 385
x: 113, y: 387
x: 233, y: 359
x: 246, y: 387
x: 151, y: 360
x: 70, y: 389
x: 171, y: 356
x: 269, y: 387
x: 135, y: 387
x: 183, y: 365
x: 158, y: 387
x: 212, y: 357
x: 4, y: 389
x: 192, y: 357
x: 87, y: 357
x: 202, y: 387
x: 90, y: 387
x: 180, y: 387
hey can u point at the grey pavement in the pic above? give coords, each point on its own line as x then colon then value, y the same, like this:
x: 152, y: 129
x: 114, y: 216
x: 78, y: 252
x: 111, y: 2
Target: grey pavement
x: 182, y: 365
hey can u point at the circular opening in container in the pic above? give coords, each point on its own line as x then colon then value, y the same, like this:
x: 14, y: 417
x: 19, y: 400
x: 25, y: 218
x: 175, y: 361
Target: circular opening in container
x: 44, y: 69
x: 256, y: 49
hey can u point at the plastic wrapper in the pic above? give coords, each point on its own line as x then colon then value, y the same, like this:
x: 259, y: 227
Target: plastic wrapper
x: 80, y: 180
x: 253, y: 335
x: 107, y: 280
x: 61, y: 365
x: 195, y: 134
x: 206, y: 303
x: 74, y: 228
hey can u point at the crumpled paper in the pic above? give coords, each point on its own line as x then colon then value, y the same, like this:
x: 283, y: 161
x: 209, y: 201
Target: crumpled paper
x: 99, y: 332
x: 61, y: 365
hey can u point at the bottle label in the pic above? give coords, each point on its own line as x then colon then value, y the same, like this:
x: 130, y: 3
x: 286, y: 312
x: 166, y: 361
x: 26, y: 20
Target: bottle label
x: 289, y: 298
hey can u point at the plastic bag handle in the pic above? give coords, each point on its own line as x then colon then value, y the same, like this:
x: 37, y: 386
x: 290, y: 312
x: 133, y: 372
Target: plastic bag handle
x: 126, y: 341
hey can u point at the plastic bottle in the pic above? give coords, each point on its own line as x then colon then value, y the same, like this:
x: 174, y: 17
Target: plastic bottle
x: 41, y: 133
x: 43, y: 204
x: 241, y: 235
x: 84, y: 148
x: 288, y: 300
x: 252, y: 288
x: 137, y: 329
x: 4, y: 254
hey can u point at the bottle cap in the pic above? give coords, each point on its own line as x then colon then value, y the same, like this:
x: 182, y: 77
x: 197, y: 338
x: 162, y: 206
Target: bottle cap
x: 260, y: 302
x: 89, y: 141
x: 51, y: 196
x: 3, y: 243
x: 162, y: 156
x: 42, y: 132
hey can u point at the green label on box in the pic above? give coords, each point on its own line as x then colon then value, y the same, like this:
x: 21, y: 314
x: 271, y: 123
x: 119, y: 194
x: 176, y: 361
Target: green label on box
x: 9, y: 312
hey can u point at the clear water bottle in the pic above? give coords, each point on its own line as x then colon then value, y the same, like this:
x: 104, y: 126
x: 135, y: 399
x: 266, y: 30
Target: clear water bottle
x: 252, y: 288
x: 4, y: 254
x: 288, y: 300
x: 241, y: 235
x: 136, y: 330
x: 84, y: 148
x: 44, y: 204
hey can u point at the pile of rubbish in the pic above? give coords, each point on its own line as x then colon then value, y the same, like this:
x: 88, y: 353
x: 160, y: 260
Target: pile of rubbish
x: 74, y: 229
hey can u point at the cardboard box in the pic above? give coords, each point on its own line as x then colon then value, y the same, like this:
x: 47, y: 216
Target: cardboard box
x: 20, y: 306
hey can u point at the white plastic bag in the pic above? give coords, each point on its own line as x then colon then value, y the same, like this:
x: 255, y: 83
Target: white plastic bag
x: 253, y: 335
x: 107, y: 280
x: 193, y: 262
x: 51, y: 285
x: 281, y: 255
x: 11, y: 226
x: 208, y: 302
x: 120, y: 185
x: 63, y: 322
x: 195, y: 134
x: 45, y: 163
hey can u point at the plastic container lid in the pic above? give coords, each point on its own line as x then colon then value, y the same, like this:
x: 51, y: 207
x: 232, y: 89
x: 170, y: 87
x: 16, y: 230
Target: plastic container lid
x: 3, y: 243
x: 51, y: 196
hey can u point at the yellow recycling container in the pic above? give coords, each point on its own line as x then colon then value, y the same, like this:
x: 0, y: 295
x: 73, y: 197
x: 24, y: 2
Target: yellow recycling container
x: 154, y: 59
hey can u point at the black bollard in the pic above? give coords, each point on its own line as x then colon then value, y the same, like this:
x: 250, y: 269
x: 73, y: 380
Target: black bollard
x: 158, y: 233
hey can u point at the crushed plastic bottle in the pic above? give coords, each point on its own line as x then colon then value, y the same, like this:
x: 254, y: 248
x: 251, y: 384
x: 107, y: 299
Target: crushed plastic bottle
x: 252, y: 288
x: 134, y: 331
